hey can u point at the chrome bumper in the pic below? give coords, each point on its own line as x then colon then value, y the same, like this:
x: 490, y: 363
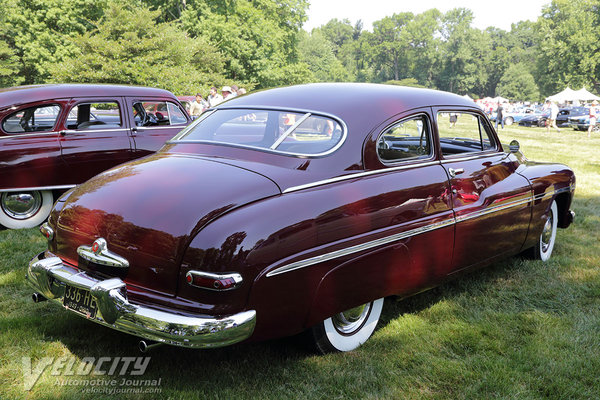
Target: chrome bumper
x: 48, y: 276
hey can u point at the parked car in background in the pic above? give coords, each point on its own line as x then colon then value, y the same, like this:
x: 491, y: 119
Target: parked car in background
x: 537, y: 118
x: 581, y: 123
x: 53, y: 137
x: 562, y: 120
x: 289, y: 210
x: 511, y: 117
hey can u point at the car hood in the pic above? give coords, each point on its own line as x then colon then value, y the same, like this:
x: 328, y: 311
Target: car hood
x: 148, y: 211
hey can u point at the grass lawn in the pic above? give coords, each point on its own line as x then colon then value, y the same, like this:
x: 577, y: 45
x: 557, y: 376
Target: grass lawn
x: 519, y: 329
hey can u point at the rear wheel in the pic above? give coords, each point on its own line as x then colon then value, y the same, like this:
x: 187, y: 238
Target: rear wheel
x: 509, y: 121
x: 545, y: 245
x: 347, y: 330
x: 24, y: 209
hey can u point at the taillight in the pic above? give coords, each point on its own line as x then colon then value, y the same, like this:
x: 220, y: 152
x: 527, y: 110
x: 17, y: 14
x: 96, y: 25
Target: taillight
x: 207, y: 280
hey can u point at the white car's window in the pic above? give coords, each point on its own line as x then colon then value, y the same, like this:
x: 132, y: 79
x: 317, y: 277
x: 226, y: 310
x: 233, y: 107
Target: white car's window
x: 300, y: 133
x: 99, y: 115
x: 406, y: 140
x: 32, y: 119
x: 462, y: 132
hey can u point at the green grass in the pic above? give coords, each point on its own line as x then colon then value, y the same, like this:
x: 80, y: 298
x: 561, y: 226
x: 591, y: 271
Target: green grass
x: 518, y: 329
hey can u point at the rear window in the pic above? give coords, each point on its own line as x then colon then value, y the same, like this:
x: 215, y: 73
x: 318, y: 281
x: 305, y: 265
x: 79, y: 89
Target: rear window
x: 33, y: 119
x: 98, y: 115
x: 298, y: 133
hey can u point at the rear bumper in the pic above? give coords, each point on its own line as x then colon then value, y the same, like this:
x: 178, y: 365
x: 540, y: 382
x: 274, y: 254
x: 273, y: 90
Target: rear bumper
x: 48, y: 276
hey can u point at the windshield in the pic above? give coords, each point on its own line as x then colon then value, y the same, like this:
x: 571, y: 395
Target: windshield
x: 299, y: 133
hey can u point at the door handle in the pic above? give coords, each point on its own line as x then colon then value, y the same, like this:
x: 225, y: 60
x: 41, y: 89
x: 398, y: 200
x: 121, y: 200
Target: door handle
x: 455, y: 171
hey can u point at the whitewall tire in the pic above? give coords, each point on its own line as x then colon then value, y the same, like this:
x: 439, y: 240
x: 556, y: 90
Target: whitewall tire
x: 347, y: 330
x: 24, y: 209
x: 545, y: 244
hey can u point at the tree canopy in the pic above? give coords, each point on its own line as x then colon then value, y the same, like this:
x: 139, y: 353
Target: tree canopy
x: 189, y: 45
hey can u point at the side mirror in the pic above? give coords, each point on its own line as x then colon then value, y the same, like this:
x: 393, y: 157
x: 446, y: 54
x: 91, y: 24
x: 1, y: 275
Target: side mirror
x: 514, y: 146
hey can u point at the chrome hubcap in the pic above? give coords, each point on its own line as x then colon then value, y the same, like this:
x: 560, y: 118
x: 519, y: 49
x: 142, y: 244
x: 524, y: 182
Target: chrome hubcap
x: 547, y: 233
x: 351, y: 320
x: 21, y: 205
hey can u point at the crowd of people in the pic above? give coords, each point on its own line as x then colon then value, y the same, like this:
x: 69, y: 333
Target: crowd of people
x: 200, y: 103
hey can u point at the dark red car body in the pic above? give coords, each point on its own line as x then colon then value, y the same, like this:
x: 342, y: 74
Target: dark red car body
x: 64, y: 153
x: 310, y: 236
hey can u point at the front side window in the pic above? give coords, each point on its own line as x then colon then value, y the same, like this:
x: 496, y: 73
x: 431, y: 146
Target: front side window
x: 406, y: 140
x: 291, y: 132
x: 32, y: 119
x: 462, y: 132
x: 157, y: 113
x: 98, y: 115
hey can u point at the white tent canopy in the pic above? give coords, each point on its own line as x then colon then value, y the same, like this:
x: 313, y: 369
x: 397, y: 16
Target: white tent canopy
x: 573, y: 95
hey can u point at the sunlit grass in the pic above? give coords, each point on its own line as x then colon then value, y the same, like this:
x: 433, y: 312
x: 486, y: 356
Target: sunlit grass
x: 518, y: 329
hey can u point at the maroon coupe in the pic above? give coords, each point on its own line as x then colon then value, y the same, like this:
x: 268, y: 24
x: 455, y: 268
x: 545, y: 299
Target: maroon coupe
x: 53, y: 137
x: 294, y: 209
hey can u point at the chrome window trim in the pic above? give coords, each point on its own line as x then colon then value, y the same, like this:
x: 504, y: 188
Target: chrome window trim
x: 359, y: 175
x: 30, y: 189
x: 460, y: 157
x: 403, y: 235
x: 96, y: 130
x: 176, y: 139
x: 429, y: 156
x: 9, y: 136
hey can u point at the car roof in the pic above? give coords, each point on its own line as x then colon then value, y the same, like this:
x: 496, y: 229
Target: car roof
x: 350, y: 100
x: 27, y: 94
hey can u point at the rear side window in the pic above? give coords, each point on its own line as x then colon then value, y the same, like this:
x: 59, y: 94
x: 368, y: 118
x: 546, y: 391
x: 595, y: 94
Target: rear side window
x: 100, y: 115
x: 406, y: 140
x: 33, y: 119
x: 462, y: 132
x: 157, y: 113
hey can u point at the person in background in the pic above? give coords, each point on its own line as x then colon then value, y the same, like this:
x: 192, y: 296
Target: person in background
x: 499, y: 116
x: 198, y: 106
x: 227, y: 93
x: 593, y: 117
x: 214, y: 98
x: 551, y: 122
x: 234, y: 91
x: 241, y: 91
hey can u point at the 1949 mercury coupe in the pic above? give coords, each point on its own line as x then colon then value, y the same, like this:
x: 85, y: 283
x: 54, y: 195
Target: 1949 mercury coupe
x: 296, y: 209
x: 53, y: 137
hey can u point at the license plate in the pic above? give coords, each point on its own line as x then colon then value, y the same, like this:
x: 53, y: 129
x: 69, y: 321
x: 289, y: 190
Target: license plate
x: 81, y: 301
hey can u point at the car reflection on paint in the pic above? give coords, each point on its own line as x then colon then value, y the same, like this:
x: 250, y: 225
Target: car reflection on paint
x: 292, y: 210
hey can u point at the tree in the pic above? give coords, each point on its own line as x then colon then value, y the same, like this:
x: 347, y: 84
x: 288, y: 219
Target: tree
x: 517, y: 83
x: 38, y: 32
x: 389, y: 46
x: 569, y: 49
x: 257, y: 38
x: 318, y: 54
x: 129, y: 47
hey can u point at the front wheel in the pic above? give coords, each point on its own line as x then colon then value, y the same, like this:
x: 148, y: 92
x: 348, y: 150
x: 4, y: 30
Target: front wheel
x: 545, y: 245
x: 509, y: 121
x: 24, y: 209
x: 347, y: 330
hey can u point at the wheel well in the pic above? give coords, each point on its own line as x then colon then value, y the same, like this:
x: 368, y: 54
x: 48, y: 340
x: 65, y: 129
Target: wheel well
x: 562, y: 203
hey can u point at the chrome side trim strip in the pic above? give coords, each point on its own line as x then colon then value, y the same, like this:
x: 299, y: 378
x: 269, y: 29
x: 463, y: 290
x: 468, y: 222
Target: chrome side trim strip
x: 359, y: 247
x: 468, y: 158
x: 9, y: 136
x: 358, y: 175
x: 403, y: 235
x: 30, y: 189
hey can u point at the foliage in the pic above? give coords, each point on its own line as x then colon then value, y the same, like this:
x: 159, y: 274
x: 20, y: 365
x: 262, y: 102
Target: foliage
x: 569, y: 45
x: 318, y: 54
x: 128, y: 46
x: 517, y: 84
